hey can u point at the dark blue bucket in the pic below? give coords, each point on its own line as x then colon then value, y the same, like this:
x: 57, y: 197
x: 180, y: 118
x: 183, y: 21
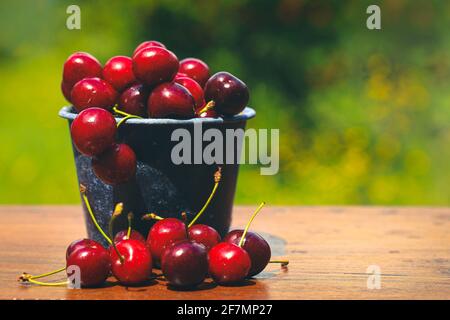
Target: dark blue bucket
x: 160, y: 186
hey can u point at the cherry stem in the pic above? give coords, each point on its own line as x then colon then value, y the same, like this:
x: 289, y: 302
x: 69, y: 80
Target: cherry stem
x: 211, y: 104
x: 126, y: 116
x: 130, y: 218
x: 249, y: 223
x: 29, y: 276
x: 48, y: 284
x: 94, y: 220
x: 117, y: 211
x: 151, y: 216
x: 217, y: 178
x: 283, y: 263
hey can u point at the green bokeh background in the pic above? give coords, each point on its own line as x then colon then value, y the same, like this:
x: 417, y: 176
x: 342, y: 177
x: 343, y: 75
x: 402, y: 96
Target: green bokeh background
x: 364, y: 116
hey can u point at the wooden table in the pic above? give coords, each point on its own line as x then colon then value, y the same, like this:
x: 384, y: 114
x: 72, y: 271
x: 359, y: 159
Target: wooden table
x: 329, y: 248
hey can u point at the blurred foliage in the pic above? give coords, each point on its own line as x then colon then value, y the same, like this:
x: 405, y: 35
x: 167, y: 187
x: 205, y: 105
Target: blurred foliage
x: 364, y: 115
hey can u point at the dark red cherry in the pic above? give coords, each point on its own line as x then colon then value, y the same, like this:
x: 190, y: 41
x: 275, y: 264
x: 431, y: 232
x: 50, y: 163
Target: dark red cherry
x: 228, y: 263
x: 205, y: 235
x: 93, y: 93
x: 137, y: 264
x: 194, y: 89
x: 80, y: 65
x: 93, y: 131
x: 148, y: 44
x: 134, y: 100
x: 229, y: 94
x: 211, y: 113
x: 93, y: 262
x: 118, y: 71
x: 134, y: 235
x: 66, y: 90
x: 195, y: 69
x: 81, y: 243
x: 170, y: 100
x: 257, y: 248
x: 155, y: 65
x: 164, y: 233
x: 116, y: 165
x: 185, y: 264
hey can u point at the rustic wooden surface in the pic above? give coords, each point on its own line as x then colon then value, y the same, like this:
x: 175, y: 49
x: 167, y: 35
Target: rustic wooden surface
x: 329, y: 248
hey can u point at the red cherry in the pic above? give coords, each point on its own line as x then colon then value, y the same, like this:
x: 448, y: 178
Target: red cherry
x: 81, y: 243
x: 148, y: 44
x: 134, y: 235
x: 164, y: 233
x: 228, y: 263
x: 205, y: 235
x: 116, y: 165
x: 185, y: 264
x: 170, y: 100
x: 155, y: 65
x: 94, y: 263
x: 118, y: 71
x: 93, y: 131
x: 194, y: 89
x: 66, y: 90
x: 180, y: 75
x: 80, y: 65
x: 134, y: 100
x: 136, y: 266
x: 93, y: 92
x: 257, y: 248
x: 195, y: 69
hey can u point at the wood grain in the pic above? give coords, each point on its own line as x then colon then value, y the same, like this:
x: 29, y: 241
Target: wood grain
x: 329, y: 248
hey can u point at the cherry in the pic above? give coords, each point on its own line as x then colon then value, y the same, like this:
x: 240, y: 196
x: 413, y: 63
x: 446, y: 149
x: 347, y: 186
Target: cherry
x: 185, y: 264
x: 148, y: 44
x: 93, y: 131
x: 230, y: 95
x: 228, y: 263
x: 154, y: 65
x: 118, y: 71
x: 255, y: 245
x: 170, y: 100
x: 134, y: 100
x: 204, y: 234
x: 116, y: 165
x: 164, y: 233
x: 131, y: 262
x: 195, y: 69
x: 93, y: 92
x: 180, y: 75
x: 81, y: 243
x: 194, y: 89
x: 123, y: 235
x: 94, y: 263
x: 80, y: 65
x: 66, y: 90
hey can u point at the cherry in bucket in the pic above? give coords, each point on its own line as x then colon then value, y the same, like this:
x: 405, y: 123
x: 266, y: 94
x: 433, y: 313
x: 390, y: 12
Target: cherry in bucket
x: 148, y: 44
x: 118, y: 71
x: 78, y: 66
x: 93, y: 92
x: 195, y: 69
x: 171, y: 100
x: 134, y: 100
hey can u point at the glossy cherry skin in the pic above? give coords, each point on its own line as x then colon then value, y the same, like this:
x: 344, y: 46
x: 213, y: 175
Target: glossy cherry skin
x: 195, y: 69
x: 93, y: 92
x: 94, y: 263
x: 134, y: 100
x: 211, y: 113
x: 137, y: 265
x: 180, y: 75
x: 118, y: 71
x: 155, y: 65
x: 66, y: 90
x: 228, y: 263
x: 194, y: 89
x: 80, y: 65
x: 204, y: 234
x: 228, y: 92
x: 185, y: 264
x: 164, y: 233
x: 93, y: 131
x: 170, y: 100
x: 148, y: 44
x: 81, y: 243
x: 116, y: 165
x: 257, y: 248
x: 134, y: 235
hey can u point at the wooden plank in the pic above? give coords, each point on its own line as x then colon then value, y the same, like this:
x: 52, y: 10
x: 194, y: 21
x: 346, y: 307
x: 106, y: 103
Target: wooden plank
x: 329, y: 248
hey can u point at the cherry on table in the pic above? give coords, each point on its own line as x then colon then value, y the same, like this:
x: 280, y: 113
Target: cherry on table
x: 80, y: 65
x: 148, y: 44
x: 228, y: 263
x: 170, y: 100
x: 93, y: 131
x: 194, y: 89
x: 195, y: 69
x: 185, y: 264
x: 93, y: 92
x: 118, y: 71
x: 116, y: 165
x: 134, y: 235
x: 204, y: 234
x: 134, y: 100
x: 81, y: 243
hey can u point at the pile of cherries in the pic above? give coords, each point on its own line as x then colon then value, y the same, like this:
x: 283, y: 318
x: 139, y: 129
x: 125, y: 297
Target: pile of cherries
x: 152, y: 83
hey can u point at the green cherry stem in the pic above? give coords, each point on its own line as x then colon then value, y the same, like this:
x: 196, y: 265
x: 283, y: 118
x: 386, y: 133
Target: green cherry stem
x: 117, y: 211
x: 211, y: 104
x: 151, y: 216
x: 125, y: 115
x: 249, y: 223
x: 283, y: 263
x: 47, y: 284
x: 130, y: 220
x: 217, y: 178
